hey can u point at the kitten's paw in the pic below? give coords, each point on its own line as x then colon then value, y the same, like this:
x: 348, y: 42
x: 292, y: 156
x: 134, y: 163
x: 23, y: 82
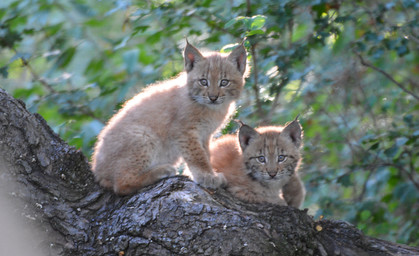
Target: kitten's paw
x: 276, y: 200
x: 212, y: 180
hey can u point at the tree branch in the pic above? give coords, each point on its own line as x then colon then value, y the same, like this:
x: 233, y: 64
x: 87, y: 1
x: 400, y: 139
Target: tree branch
x: 35, y: 75
x: 409, y: 174
x: 83, y: 109
x: 255, y: 70
x: 274, y: 104
x: 175, y: 216
x: 255, y: 85
x: 367, y: 64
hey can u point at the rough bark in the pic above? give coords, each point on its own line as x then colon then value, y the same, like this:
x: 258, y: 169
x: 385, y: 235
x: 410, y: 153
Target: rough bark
x: 53, y: 191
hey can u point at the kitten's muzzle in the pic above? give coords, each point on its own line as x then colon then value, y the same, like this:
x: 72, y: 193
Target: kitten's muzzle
x: 272, y: 174
x: 213, y: 98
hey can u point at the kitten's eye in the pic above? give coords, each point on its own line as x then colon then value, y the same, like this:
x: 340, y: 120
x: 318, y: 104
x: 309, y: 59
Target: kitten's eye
x: 203, y: 82
x: 224, y: 83
x: 261, y: 159
x: 281, y: 158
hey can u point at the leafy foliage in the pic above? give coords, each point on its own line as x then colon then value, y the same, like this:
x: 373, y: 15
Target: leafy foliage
x: 351, y: 69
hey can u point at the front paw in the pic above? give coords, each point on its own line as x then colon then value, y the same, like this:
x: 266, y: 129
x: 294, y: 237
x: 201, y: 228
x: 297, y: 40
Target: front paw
x: 212, y: 180
x: 276, y: 200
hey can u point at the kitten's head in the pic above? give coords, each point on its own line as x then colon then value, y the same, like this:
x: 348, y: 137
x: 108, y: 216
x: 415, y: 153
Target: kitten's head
x: 215, y: 79
x: 271, y: 154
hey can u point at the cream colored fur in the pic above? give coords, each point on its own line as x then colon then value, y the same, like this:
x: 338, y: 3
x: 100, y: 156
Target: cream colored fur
x: 250, y: 163
x: 171, y: 121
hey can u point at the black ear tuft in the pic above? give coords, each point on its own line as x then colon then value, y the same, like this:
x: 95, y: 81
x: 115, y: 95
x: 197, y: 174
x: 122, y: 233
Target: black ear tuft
x: 294, y: 132
x: 192, y: 56
x: 239, y: 58
x: 246, y: 135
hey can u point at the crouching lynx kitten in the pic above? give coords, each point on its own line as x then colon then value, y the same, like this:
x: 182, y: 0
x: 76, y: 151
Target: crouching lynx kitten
x: 261, y: 163
x: 169, y: 121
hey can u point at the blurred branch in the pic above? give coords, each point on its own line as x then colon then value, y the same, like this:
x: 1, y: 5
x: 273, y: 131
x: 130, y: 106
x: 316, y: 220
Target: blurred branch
x: 248, y: 8
x: 376, y: 163
x: 346, y: 137
x: 414, y: 83
x: 369, y: 111
x: 255, y: 85
x: 367, y: 64
x: 83, y: 109
x: 410, y: 33
x: 284, y: 82
x: 215, y: 25
x: 274, y: 104
x: 35, y: 75
x: 364, y: 186
x: 409, y: 175
x: 413, y: 38
x: 255, y: 71
x: 290, y: 27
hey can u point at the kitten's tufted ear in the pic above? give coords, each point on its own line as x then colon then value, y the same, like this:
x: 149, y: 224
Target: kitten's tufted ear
x: 192, y: 56
x: 239, y: 58
x: 246, y: 135
x: 294, y: 132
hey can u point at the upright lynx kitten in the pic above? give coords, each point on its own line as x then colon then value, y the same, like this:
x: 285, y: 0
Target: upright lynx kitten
x: 261, y: 163
x: 169, y: 121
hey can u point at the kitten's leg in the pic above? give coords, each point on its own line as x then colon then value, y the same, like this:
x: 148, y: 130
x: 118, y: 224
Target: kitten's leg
x: 132, y: 181
x: 294, y: 192
x: 196, y: 157
x: 140, y: 162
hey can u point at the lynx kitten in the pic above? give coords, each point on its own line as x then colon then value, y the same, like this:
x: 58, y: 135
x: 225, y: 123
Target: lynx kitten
x: 261, y: 163
x: 170, y: 121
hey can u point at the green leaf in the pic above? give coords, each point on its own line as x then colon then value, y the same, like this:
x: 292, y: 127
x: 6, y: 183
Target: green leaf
x: 145, y: 58
x: 94, y: 22
x: 299, y: 32
x: 155, y: 37
x: 27, y: 92
x: 4, y: 71
x: 122, y: 43
x: 8, y: 38
x: 406, y: 193
x: 258, y: 22
x: 365, y: 214
x: 392, y: 151
x: 65, y: 58
x: 140, y: 29
x: 95, y: 65
x: 408, y: 119
x: 374, y: 146
x: 255, y: 32
x: 20, y: 55
x: 130, y: 59
x: 345, y: 180
x: 401, y: 141
x: 234, y: 21
x: 402, y: 50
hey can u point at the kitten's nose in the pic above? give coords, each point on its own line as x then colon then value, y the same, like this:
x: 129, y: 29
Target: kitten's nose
x: 272, y: 173
x: 213, y: 98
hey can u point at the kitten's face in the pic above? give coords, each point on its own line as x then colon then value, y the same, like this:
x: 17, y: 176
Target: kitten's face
x: 215, y: 79
x: 271, y: 156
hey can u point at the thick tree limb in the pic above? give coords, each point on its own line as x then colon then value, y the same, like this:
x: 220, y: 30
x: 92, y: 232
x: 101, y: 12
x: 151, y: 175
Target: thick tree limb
x: 51, y: 183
